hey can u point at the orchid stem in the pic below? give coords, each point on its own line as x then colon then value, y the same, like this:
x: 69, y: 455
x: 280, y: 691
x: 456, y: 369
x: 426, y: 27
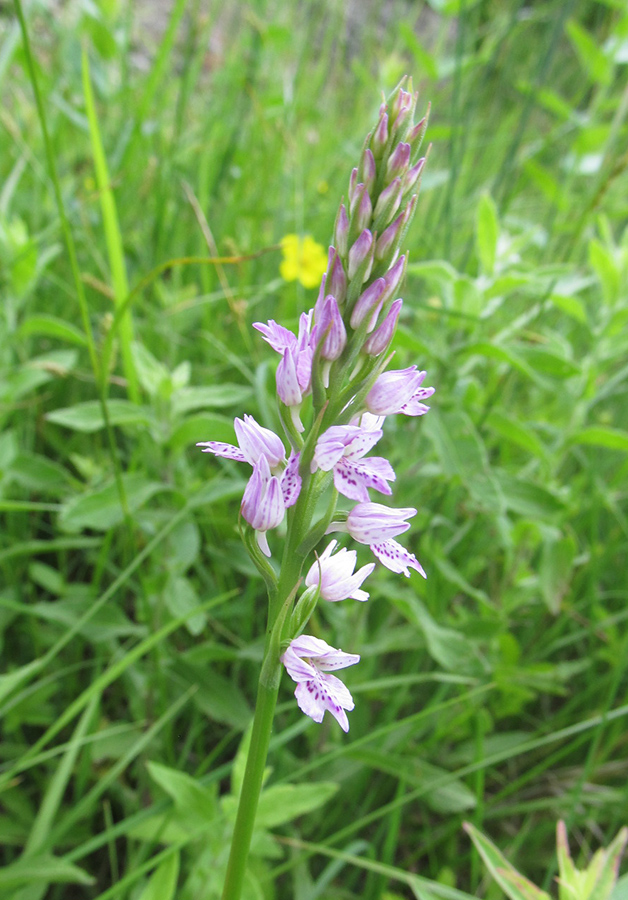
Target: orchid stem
x: 253, y: 776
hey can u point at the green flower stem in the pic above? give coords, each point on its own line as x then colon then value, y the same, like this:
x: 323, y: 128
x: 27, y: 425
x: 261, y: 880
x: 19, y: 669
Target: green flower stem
x: 267, y: 691
x: 253, y: 776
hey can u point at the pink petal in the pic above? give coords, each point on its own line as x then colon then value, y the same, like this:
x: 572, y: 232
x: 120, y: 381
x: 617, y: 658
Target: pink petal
x: 279, y: 338
x: 227, y: 451
x: 287, y: 380
x: 363, y: 441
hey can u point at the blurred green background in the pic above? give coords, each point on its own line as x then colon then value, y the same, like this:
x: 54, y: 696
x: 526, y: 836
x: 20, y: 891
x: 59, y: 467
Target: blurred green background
x: 495, y: 691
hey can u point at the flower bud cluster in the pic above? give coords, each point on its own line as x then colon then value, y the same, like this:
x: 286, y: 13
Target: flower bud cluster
x: 337, y: 361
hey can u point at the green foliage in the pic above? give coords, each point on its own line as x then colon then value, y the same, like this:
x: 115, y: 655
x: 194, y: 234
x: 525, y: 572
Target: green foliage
x: 131, y: 618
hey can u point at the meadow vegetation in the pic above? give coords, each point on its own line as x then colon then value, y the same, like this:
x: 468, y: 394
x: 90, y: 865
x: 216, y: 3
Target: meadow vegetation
x: 184, y: 143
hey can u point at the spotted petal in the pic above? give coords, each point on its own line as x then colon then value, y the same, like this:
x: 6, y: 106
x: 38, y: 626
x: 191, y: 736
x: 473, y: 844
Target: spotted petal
x: 291, y: 481
x: 352, y: 479
x: 396, y: 558
x: 219, y: 448
x: 325, y: 692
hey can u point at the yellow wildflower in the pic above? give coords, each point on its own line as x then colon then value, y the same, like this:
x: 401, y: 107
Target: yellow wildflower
x: 303, y: 260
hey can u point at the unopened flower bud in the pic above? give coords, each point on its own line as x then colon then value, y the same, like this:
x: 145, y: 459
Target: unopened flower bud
x: 341, y: 230
x: 381, y: 338
x: 360, y: 254
x: 322, y: 293
x: 367, y: 171
x: 333, y: 330
x: 388, y: 202
x: 352, y: 184
x: 398, y: 162
x: 368, y: 303
x: 337, y: 280
x: 388, y: 242
x: 394, y: 277
x: 360, y: 208
x: 416, y: 134
x: 402, y: 102
x: 380, y: 136
x: 364, y: 211
x: 413, y: 175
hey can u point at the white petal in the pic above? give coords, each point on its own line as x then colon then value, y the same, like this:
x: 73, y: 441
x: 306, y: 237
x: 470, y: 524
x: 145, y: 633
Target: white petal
x: 305, y: 694
x: 396, y: 558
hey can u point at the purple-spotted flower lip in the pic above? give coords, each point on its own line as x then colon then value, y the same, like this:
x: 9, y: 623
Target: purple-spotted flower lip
x: 308, y: 661
x: 335, y: 573
x: 396, y: 558
x: 341, y: 448
x: 254, y: 442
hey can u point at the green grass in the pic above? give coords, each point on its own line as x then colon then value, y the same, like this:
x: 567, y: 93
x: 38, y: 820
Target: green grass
x: 137, y: 246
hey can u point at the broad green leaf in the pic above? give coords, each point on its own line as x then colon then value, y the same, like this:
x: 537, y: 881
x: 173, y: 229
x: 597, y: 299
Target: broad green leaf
x: 448, y: 795
x: 592, y: 57
x: 40, y: 868
x: 606, y: 269
x: 620, y: 891
x: 190, y: 797
x: 547, y: 183
x: 108, y: 623
x: 153, y: 375
x: 503, y: 354
x: 12, y: 680
x: 528, y: 499
x: 557, y: 560
x: 487, y: 233
x: 450, y: 649
x: 39, y: 473
x: 283, y: 803
x: 87, y: 417
x: 212, y: 396
x: 424, y: 60
x: 50, y: 326
x: 181, y: 598
x: 572, y: 306
x: 513, y: 431
x: 100, y: 510
x: 183, y: 546
x: 455, y: 576
x: 463, y: 453
x: 602, y: 436
x: 510, y: 881
x: 597, y: 880
x: 548, y: 363
x: 219, y: 698
x: 163, y: 882
x: 202, y: 427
